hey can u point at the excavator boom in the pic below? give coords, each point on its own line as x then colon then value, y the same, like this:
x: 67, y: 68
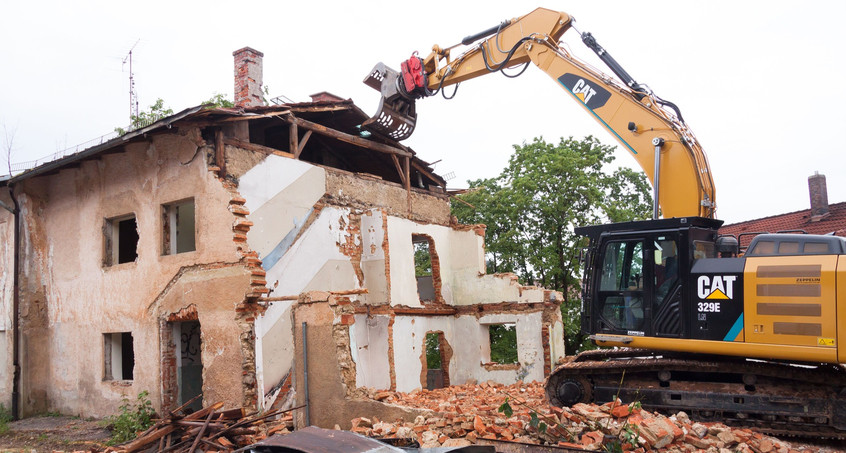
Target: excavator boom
x: 715, y: 333
x: 649, y: 128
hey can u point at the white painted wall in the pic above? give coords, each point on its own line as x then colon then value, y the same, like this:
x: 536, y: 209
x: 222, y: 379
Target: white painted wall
x: 468, y: 337
x: 369, y: 348
x: 315, y: 261
x: 462, y: 264
x: 280, y: 193
x: 373, y: 257
x: 274, y: 345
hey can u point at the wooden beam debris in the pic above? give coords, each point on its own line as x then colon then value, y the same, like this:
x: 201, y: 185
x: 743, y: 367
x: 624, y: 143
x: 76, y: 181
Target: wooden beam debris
x: 225, y: 429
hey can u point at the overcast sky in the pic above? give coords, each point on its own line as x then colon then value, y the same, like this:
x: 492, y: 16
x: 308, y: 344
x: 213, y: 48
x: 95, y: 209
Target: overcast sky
x: 761, y: 83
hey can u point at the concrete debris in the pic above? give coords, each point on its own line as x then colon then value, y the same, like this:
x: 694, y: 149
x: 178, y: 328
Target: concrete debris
x: 468, y: 414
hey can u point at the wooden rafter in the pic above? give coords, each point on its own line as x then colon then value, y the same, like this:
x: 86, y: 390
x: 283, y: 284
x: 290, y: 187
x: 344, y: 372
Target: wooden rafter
x: 344, y: 137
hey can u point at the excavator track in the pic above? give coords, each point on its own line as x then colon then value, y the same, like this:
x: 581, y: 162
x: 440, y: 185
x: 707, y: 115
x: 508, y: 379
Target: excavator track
x: 776, y: 398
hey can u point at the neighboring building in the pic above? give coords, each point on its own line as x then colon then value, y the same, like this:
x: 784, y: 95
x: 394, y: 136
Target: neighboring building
x: 190, y: 256
x: 821, y: 218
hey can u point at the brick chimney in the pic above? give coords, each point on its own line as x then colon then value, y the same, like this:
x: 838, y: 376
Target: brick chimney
x: 819, y: 196
x: 325, y: 96
x: 248, y: 77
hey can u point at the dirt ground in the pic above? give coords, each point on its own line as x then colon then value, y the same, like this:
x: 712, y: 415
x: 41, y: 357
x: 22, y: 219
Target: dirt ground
x: 51, y: 433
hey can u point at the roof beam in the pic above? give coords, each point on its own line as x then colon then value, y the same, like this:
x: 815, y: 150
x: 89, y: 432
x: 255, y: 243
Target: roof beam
x: 344, y: 137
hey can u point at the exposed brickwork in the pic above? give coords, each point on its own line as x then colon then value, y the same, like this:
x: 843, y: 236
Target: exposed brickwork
x: 547, y: 354
x: 170, y: 384
x: 248, y: 77
x: 352, y: 247
x: 386, y: 251
x: 436, y: 270
x: 391, y: 369
x: 819, y: 196
x: 168, y: 366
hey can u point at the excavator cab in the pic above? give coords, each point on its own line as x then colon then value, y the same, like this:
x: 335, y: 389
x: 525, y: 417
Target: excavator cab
x: 638, y: 276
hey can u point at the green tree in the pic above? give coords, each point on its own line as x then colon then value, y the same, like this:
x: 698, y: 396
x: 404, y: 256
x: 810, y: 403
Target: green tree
x: 154, y: 113
x: 503, y: 339
x: 433, y: 351
x: 422, y: 260
x: 219, y: 100
x: 531, y: 208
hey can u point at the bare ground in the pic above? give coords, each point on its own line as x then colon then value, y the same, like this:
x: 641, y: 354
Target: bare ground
x: 52, y: 433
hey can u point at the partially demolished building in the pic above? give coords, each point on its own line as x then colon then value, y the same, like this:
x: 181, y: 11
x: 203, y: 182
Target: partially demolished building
x: 232, y: 251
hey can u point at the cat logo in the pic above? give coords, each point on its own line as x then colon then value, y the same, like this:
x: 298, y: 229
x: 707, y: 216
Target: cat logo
x: 590, y: 93
x: 716, y: 287
x: 583, y: 91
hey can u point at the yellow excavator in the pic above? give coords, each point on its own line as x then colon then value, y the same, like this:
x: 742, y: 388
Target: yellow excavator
x: 751, y: 339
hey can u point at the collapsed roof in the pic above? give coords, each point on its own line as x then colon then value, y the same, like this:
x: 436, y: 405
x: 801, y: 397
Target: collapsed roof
x: 324, y: 133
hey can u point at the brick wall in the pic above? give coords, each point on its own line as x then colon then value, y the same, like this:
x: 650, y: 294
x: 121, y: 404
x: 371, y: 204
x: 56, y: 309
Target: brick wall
x: 248, y: 77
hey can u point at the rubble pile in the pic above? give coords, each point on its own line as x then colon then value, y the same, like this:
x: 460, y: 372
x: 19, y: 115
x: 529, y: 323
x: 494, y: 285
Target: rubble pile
x: 208, y: 429
x: 469, y: 414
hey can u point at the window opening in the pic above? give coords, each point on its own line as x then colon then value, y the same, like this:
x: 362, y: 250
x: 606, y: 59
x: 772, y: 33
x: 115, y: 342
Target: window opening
x: 121, y: 237
x: 423, y: 249
x: 503, y: 338
x: 433, y: 351
x: 178, y: 235
x: 118, y: 356
x: 435, y: 361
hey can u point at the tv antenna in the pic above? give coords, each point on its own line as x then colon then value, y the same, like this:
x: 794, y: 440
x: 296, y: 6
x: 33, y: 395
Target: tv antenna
x: 133, y: 96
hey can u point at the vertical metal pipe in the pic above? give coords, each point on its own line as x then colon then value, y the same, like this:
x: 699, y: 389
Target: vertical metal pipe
x: 658, y: 142
x: 305, y: 375
x: 16, y: 366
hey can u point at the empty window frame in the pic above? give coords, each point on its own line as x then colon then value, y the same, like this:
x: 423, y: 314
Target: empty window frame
x: 121, y: 240
x: 178, y: 227
x: 118, y: 356
x: 503, y: 338
x: 425, y: 272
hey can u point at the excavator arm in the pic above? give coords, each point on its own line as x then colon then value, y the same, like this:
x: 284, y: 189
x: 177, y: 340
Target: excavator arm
x: 650, y: 128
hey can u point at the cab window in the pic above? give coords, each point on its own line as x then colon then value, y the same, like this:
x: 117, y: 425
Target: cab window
x: 621, y: 285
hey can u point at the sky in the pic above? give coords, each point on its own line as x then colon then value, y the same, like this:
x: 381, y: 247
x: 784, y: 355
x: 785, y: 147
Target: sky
x: 761, y: 83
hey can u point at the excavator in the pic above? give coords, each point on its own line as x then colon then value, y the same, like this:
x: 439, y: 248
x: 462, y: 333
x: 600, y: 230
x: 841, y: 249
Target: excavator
x: 685, y: 321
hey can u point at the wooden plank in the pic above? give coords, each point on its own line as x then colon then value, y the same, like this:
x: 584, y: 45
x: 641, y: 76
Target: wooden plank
x: 427, y: 174
x: 303, y: 143
x: 200, y: 434
x: 407, y: 168
x: 257, y: 148
x: 399, y: 168
x: 220, y: 152
x: 344, y: 137
x: 293, y: 139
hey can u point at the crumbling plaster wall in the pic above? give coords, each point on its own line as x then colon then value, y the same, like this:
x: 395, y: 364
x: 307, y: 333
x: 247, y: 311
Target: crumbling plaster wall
x: 461, y: 257
x: 70, y: 299
x: 325, y: 230
x: 7, y: 253
x: 468, y: 337
x: 330, y: 397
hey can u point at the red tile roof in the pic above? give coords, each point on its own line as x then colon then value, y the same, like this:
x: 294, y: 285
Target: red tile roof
x: 834, y: 222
